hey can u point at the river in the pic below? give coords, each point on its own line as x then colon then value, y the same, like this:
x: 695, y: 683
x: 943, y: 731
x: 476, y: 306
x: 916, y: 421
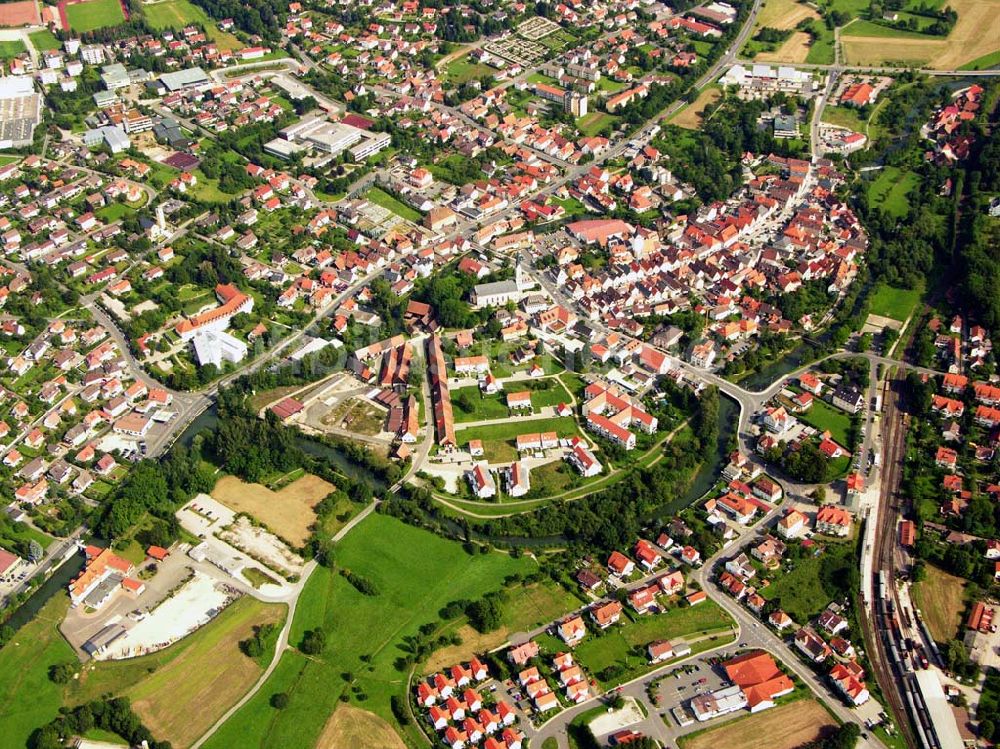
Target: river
x: 56, y: 583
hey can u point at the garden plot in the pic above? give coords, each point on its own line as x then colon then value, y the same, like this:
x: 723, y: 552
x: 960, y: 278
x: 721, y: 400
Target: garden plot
x: 196, y: 603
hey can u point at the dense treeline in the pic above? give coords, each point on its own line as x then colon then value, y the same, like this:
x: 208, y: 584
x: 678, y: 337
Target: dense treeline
x: 157, y: 488
x: 115, y: 716
x: 263, y: 18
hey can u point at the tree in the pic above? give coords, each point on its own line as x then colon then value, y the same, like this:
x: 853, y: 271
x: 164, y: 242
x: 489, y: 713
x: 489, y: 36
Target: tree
x: 313, y: 642
x: 485, y: 614
x: 279, y: 700
x: 61, y: 673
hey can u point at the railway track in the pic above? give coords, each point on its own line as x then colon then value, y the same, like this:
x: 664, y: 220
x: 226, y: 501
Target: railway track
x: 881, y: 618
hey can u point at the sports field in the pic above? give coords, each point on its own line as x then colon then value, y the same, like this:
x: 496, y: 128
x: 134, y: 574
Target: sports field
x: 415, y: 573
x: 358, y: 729
x: 975, y: 35
x: 785, y: 727
x: 941, y: 600
x: 21, y: 13
x: 94, y: 14
x: 898, y: 304
x: 288, y: 512
x: 179, y: 13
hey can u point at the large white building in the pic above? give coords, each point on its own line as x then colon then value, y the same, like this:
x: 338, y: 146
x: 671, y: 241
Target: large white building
x: 216, y: 347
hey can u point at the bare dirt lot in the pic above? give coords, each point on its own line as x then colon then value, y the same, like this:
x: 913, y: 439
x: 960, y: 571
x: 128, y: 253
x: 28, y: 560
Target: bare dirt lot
x: 358, y: 729
x: 472, y: 642
x: 785, y: 727
x: 975, y: 35
x: 262, y: 546
x: 794, y: 49
x: 784, y: 14
x: 288, y: 511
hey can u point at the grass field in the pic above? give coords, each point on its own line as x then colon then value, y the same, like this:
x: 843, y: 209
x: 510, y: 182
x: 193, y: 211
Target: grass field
x: 416, y: 573
x: 179, y: 13
x: 358, y: 729
x: 941, y: 600
x: 384, y: 199
x: 94, y: 14
x: 990, y: 60
x: 10, y: 49
x: 974, y: 36
x: 844, y: 117
x: 783, y: 727
x: 800, y: 592
x: 593, y: 123
x: 898, y: 304
x: 44, y: 40
x: 888, y: 191
x: 27, y: 698
x: 464, y: 70
x: 625, y: 645
x: 690, y: 117
x: 825, y: 417
x: 288, y: 512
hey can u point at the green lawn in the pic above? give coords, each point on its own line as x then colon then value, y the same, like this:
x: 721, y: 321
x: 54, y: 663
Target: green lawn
x: 94, y: 14
x: 898, y: 304
x: 27, y: 698
x: 179, y: 13
x: 572, y: 206
x: 890, y: 189
x: 114, y: 212
x: 416, y: 573
x: 384, y: 199
x: 594, y: 122
x: 11, y: 49
x: 498, y: 439
x: 44, y: 40
x: 625, y: 645
x: 825, y: 417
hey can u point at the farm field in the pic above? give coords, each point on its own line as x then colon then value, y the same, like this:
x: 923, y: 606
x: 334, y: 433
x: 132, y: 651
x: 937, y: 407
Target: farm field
x: 795, y: 48
x: 288, y: 512
x: 890, y: 188
x: 28, y: 699
x: 94, y: 14
x: 179, y: 692
x: 179, y: 13
x: 615, y: 647
x: 973, y: 37
x: 784, y: 727
x: 898, y: 304
x: 941, y: 600
x: 384, y: 199
x: 690, y: 117
x: 783, y: 14
x: 828, y: 418
x: 415, y: 573
x: 359, y: 729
